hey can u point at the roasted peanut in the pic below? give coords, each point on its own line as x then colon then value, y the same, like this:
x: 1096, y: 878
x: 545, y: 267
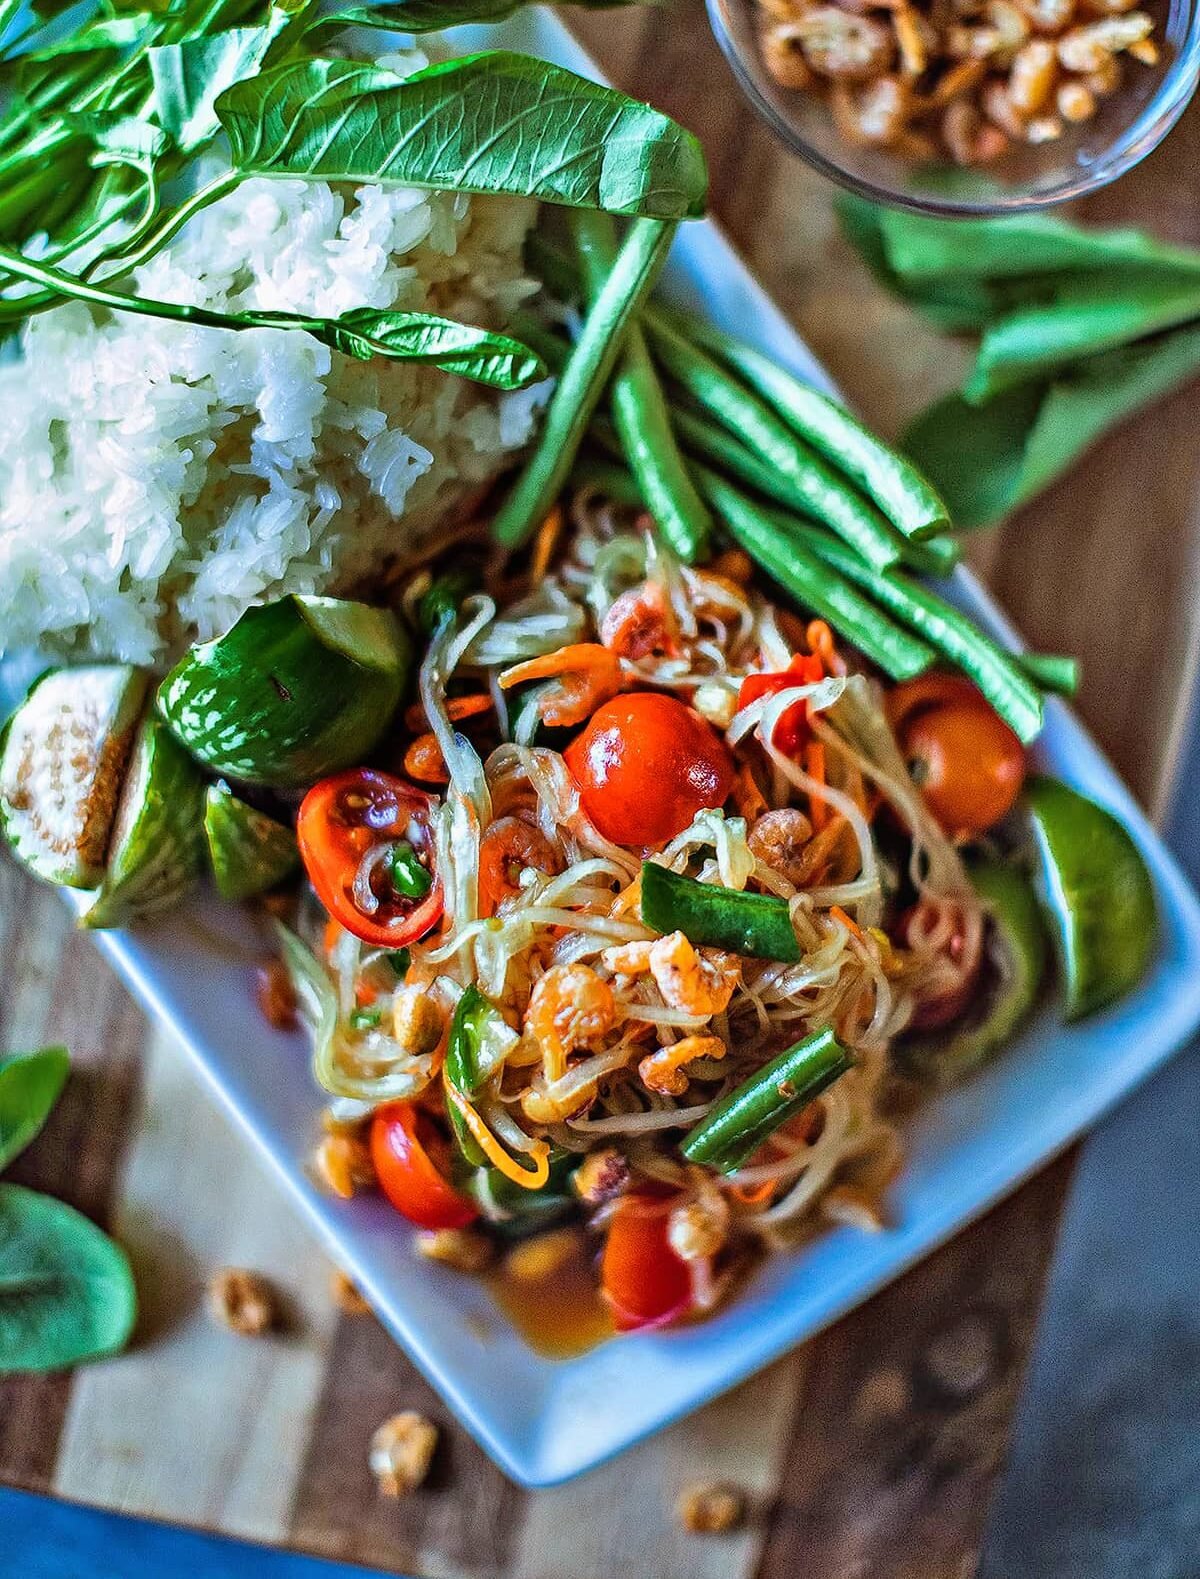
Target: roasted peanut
x: 1031, y: 79
x: 845, y: 47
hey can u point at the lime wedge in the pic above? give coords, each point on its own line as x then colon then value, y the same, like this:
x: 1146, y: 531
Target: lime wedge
x: 1100, y: 896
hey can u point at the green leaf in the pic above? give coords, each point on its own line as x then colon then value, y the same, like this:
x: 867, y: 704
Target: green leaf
x: 66, y: 1291
x: 124, y: 139
x: 30, y: 1084
x: 495, y: 122
x: 989, y: 459
x: 110, y: 32
x: 488, y: 358
x: 189, y: 77
x: 1091, y: 315
x: 431, y: 16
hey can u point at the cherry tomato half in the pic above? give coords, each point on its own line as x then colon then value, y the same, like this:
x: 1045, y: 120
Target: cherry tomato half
x: 342, y: 820
x: 791, y: 727
x: 411, y: 1161
x: 968, y: 763
x: 645, y: 765
x: 645, y: 1283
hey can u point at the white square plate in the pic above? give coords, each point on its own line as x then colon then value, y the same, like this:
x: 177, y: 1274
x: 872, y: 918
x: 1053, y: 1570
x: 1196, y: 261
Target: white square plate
x: 544, y: 1420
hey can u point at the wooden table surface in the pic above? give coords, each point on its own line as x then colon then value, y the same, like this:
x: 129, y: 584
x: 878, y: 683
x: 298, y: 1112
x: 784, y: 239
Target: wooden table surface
x: 869, y: 1452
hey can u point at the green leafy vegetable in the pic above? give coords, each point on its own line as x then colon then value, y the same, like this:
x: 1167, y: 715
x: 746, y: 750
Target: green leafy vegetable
x: 494, y: 122
x: 190, y: 76
x: 66, y: 1290
x: 30, y: 1084
x: 431, y: 16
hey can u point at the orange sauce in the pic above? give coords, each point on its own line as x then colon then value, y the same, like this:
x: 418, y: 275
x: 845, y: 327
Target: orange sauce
x: 547, y: 1287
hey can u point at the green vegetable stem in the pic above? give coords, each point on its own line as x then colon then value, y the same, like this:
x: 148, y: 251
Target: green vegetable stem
x: 725, y: 1138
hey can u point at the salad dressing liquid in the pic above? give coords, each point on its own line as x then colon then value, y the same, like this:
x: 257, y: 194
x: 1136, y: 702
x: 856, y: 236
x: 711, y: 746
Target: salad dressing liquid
x: 551, y: 1296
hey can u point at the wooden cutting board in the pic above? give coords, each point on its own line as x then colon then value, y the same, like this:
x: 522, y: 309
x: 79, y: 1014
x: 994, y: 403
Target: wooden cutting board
x: 872, y: 1451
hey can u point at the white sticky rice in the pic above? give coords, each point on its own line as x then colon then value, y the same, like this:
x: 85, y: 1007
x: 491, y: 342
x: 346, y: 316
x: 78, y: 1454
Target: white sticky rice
x: 155, y: 479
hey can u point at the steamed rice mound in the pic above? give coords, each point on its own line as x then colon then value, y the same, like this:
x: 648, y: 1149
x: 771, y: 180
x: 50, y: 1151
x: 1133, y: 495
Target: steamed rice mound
x: 156, y: 479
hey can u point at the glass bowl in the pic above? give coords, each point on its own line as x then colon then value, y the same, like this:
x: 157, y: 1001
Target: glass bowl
x: 1124, y: 130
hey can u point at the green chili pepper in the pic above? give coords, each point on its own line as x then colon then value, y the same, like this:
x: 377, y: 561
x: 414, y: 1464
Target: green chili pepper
x: 1016, y: 952
x: 443, y: 597
x: 365, y: 1019
x: 400, y: 959
x: 1101, y: 896
x: 516, y: 1213
x: 409, y: 877
x: 640, y: 410
x: 739, y: 1124
x: 812, y: 582
x: 583, y: 380
x: 754, y: 924
x: 479, y: 1038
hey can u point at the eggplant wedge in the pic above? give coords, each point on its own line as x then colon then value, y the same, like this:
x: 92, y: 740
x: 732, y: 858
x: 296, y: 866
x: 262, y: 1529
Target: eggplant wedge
x: 61, y: 768
x: 157, y: 850
x: 249, y: 852
x: 296, y: 690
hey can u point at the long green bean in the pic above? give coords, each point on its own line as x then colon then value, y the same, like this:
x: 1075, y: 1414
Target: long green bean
x: 827, y: 497
x: 812, y: 583
x: 640, y: 410
x: 997, y: 673
x: 583, y: 380
x: 905, y: 496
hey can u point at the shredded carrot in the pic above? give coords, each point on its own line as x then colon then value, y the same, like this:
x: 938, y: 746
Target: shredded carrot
x: 752, y: 1194
x: 545, y: 544
x: 332, y: 933
x: 528, y: 1178
x: 848, y: 922
x: 457, y: 708
x: 747, y: 796
x: 814, y: 766
x: 364, y: 994
x: 576, y: 656
x: 821, y: 644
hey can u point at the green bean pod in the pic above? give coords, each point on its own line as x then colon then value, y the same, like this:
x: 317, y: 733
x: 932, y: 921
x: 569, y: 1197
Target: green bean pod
x: 725, y: 1138
x: 583, y: 380
x: 813, y: 583
x: 639, y: 409
x: 758, y: 925
x: 997, y: 673
x: 905, y: 496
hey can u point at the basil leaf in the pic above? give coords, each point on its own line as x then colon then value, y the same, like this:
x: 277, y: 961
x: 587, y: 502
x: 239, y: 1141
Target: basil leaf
x: 189, y: 77
x: 495, y: 122
x: 66, y: 1291
x: 431, y: 16
x: 30, y: 1084
x: 460, y: 348
x: 986, y: 460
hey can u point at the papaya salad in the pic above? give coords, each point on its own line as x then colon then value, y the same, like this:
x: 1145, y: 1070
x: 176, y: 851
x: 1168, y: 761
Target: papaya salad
x: 637, y: 832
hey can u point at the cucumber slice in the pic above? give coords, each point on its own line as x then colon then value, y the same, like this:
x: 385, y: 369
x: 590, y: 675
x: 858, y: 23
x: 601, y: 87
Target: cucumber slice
x: 1101, y: 896
x: 296, y: 690
x: 157, y: 849
x: 249, y: 852
x: 63, y: 758
x: 1016, y: 947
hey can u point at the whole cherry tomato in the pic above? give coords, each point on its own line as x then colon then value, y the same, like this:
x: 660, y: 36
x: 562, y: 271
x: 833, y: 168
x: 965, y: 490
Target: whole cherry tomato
x: 645, y: 1283
x: 968, y: 763
x: 645, y: 765
x: 345, y: 819
x: 411, y: 1163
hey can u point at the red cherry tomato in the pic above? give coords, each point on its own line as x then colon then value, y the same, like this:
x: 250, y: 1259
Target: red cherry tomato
x: 411, y: 1161
x: 645, y: 765
x: 968, y: 763
x: 341, y: 820
x: 645, y: 1283
x: 791, y: 728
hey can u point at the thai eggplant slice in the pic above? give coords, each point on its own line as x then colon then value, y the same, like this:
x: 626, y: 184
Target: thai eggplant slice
x: 157, y: 850
x: 296, y: 690
x: 61, y: 769
x: 1016, y: 951
x: 249, y: 852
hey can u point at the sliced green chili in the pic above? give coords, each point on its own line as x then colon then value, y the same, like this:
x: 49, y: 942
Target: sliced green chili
x: 400, y: 959
x: 997, y: 673
x: 583, y: 380
x: 639, y: 408
x: 475, y: 1022
x: 812, y: 583
x: 409, y: 877
x: 443, y: 597
x: 757, y: 925
x: 827, y: 496
x: 739, y: 1124
x: 906, y: 497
